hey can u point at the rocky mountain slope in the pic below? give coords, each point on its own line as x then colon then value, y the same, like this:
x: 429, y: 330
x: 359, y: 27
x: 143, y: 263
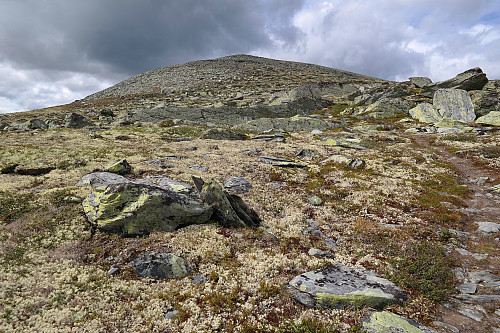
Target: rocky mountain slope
x: 245, y: 194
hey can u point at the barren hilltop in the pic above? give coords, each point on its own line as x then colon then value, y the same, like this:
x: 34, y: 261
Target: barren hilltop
x: 245, y: 194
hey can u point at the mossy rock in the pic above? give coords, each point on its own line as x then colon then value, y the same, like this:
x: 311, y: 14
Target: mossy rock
x: 388, y: 322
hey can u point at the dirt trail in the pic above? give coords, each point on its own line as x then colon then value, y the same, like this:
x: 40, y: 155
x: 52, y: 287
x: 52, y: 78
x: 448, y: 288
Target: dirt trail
x: 484, y: 250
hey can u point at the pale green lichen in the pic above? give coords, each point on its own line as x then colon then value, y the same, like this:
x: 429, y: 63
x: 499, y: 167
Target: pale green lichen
x: 370, y: 297
x: 389, y: 322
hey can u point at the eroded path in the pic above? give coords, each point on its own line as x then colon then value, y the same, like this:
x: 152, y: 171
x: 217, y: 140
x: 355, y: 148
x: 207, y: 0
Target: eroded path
x: 476, y: 307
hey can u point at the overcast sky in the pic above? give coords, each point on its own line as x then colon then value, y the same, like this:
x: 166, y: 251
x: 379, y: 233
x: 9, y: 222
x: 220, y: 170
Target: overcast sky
x: 55, y: 51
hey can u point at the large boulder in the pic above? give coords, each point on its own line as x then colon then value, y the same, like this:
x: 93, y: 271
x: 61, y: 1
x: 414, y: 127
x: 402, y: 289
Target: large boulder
x: 142, y: 206
x: 492, y: 118
x: 488, y: 99
x: 229, y: 209
x: 161, y: 266
x: 455, y: 104
x: 420, y: 82
x: 472, y: 79
x: 339, y: 286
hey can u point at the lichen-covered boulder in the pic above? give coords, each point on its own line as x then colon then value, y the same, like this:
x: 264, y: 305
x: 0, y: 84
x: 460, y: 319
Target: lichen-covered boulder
x: 161, y: 266
x: 229, y: 210
x: 143, y: 206
x: 472, y: 79
x: 387, y: 108
x: 455, y: 104
x: 426, y: 113
x: 339, y: 286
x: 492, y: 118
x: 388, y: 322
x: 348, y: 162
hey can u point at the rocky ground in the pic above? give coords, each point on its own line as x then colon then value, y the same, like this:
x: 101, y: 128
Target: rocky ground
x: 322, y: 201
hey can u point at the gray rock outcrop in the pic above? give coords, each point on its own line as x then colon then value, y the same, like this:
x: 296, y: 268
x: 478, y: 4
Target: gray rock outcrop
x: 388, y: 322
x: 339, y: 286
x: 348, y: 162
x: 472, y: 79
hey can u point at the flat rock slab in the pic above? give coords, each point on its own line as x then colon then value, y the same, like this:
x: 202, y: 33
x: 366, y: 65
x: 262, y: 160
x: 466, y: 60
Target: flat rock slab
x: 388, y: 322
x: 281, y: 162
x: 339, y: 286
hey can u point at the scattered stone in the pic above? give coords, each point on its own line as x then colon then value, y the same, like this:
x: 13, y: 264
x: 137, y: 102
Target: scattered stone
x: 222, y: 134
x: 447, y: 125
x: 477, y: 256
x: 480, y: 181
x: 141, y: 206
x: 161, y: 266
x: 347, y: 161
x: 114, y: 271
x: 471, y: 313
x: 252, y: 152
x: 317, y: 233
x: 388, y: 322
x: 171, y: 314
x: 199, y: 167
x: 348, y: 143
x: 33, y: 171
x: 479, y: 298
x: 229, y: 210
x: 420, y: 82
x: 454, y: 104
x: 492, y: 118
x: 483, y: 276
x: 338, y: 286
x: 75, y: 120
x: 159, y: 162
x: 276, y: 137
x: 386, y: 108
x: 488, y: 227
x: 199, y: 279
x: 314, y: 200
x: 237, y: 185
x: 446, y: 326
x: 9, y: 168
x: 121, y: 167
x: 467, y: 288
x: 101, y: 179
x: 306, y: 153
x: 330, y: 243
x: 370, y: 128
x: 495, y: 189
x: 281, y: 162
x: 316, y: 132
x: 320, y: 253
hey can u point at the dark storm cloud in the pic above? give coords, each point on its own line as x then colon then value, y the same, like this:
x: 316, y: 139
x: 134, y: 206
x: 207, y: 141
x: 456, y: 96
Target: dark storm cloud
x: 132, y: 36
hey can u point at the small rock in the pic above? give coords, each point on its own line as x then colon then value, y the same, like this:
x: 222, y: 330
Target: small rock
x: 199, y: 167
x: 222, y: 134
x: 348, y: 161
x: 420, y: 82
x: 471, y: 313
x: 317, y: 233
x: 303, y: 153
x: 488, y: 227
x: 330, y: 243
x: 446, y: 326
x: 320, y: 253
x: 121, y: 167
x: 171, y: 314
x: 161, y: 266
x: 270, y: 137
x: 314, y: 200
x: 33, y: 171
x: 483, y: 276
x: 9, y: 168
x: 237, y: 185
x: 480, y: 181
x: 281, y: 162
x: 114, y: 271
x: 467, y: 288
x: 199, y: 279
